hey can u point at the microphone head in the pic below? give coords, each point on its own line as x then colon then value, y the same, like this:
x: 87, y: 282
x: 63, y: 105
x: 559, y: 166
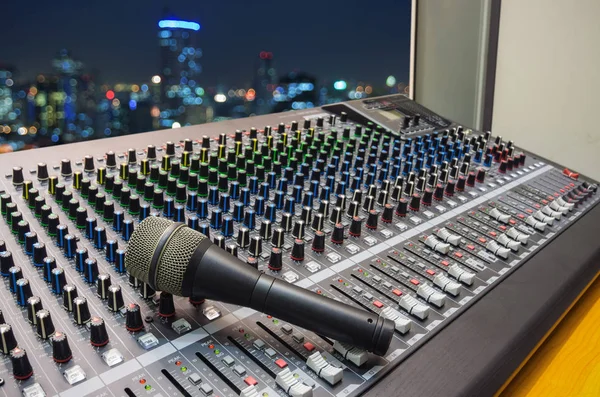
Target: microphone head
x: 159, y: 253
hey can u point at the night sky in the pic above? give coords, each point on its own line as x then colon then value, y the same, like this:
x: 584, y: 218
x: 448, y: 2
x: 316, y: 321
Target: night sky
x: 350, y: 39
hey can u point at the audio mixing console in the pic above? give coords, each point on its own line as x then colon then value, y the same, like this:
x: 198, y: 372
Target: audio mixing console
x: 417, y: 224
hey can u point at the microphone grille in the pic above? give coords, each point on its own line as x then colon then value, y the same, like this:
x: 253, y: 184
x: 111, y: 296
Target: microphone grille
x: 175, y: 259
x: 142, y: 244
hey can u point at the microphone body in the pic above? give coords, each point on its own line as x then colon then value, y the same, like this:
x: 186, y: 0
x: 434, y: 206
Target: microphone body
x: 233, y: 281
x: 174, y: 258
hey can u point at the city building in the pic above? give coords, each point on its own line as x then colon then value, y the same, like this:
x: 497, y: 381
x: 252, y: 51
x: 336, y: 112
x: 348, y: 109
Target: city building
x: 295, y: 90
x: 181, y: 95
x: 264, y: 81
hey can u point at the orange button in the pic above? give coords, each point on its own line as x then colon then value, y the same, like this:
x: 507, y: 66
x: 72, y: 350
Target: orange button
x: 512, y: 221
x: 458, y: 254
x: 280, y: 362
x: 415, y: 281
x: 537, y: 206
x: 309, y: 346
x: 544, y: 202
x: 431, y: 272
x: 377, y: 304
x: 482, y: 240
x: 397, y: 292
x: 521, y: 216
x: 471, y: 247
x: 493, y: 234
x: 445, y: 263
x: 529, y: 210
x: 562, y: 191
x: 250, y: 381
x: 502, y: 227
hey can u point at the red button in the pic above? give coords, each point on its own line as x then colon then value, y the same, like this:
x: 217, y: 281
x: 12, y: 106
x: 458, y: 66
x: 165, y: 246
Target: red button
x: 556, y: 195
x: 482, y: 240
x: 414, y: 281
x: 521, y: 216
x: 502, y: 227
x: 471, y: 247
x: 250, y: 381
x: 572, y: 184
x: 309, y: 346
x: 493, y: 234
x: 458, y: 254
x: 445, y: 263
x: 431, y: 272
x: 397, y: 292
x: 280, y: 362
x: 562, y: 190
x: 537, y: 206
x: 512, y: 221
x: 544, y: 202
x: 529, y: 211
x: 377, y: 304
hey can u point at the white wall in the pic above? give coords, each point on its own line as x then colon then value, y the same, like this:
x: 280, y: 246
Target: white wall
x: 451, y: 40
x: 547, y: 95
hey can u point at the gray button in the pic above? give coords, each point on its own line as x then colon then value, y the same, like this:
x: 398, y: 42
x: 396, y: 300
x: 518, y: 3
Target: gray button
x: 206, y: 389
x: 287, y: 329
x: 259, y: 344
x: 194, y: 378
x: 228, y: 360
x: 270, y: 352
x: 239, y: 370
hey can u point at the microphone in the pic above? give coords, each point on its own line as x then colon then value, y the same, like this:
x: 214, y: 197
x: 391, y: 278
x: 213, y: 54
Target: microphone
x: 171, y: 257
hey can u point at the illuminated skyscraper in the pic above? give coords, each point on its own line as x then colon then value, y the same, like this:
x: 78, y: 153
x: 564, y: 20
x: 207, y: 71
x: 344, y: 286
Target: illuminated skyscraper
x: 6, y: 102
x: 264, y: 83
x: 181, y: 93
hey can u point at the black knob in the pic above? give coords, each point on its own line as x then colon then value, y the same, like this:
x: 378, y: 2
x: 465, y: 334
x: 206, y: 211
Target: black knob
x: 34, y: 305
x: 14, y: 274
x: 415, y: 202
x: 17, y: 176
x: 115, y: 298
x: 42, y: 171
x: 69, y: 245
x: 81, y: 312
x: 318, y: 244
x: 7, y: 339
x: 45, y: 326
x: 69, y: 294
x: 318, y: 222
x: 88, y: 163
x: 460, y: 183
x: 337, y: 237
x: 21, y: 367
x: 111, y: 160
x: 166, y: 306
x: 58, y: 280
x: 356, y: 226
x: 438, y: 193
x: 255, y: 248
x: 98, y: 334
x: 278, y: 238
x: 146, y: 291
x: 99, y: 237
x: 61, y: 351
x: 102, y: 285
x: 369, y: 203
x: 90, y: 270
x: 48, y: 264
x: 298, y: 231
x: 427, y: 198
x: 23, y: 291
x: 402, y: 207
x: 151, y: 152
x: 266, y: 229
x: 336, y: 215
x: 170, y: 148
x: 503, y: 167
x: 243, y: 237
x: 449, y: 190
x: 31, y: 239
x: 111, y: 250
x: 297, y: 250
x: 276, y: 260
x: 480, y: 175
x: 471, y: 179
x: 65, y: 168
x: 133, y: 318
x: 6, y: 262
x: 286, y: 221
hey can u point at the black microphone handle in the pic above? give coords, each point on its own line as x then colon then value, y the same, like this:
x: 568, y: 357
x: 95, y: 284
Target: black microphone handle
x: 217, y: 275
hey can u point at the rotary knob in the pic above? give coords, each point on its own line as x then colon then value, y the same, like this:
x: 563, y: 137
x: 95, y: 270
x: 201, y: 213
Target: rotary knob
x: 449, y: 190
x: 61, y: 351
x: 17, y: 176
x: 21, y: 366
x: 387, y: 215
x: 402, y: 207
x: 318, y: 244
x: 355, y: 227
x: 88, y: 163
x: 275, y: 260
x: 65, y: 168
x: 243, y: 237
x: 42, y: 172
x: 337, y: 237
x: 115, y: 298
x: 69, y: 295
x: 166, y: 306
x: 23, y: 291
x: 98, y: 333
x: 255, y: 248
x: 133, y: 318
x: 34, y: 305
x: 7, y: 339
x: 103, y: 284
x: 45, y: 327
x: 298, y: 250
x: 81, y: 311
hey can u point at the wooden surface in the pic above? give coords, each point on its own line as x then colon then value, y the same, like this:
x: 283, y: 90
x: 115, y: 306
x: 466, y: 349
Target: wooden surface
x: 567, y: 364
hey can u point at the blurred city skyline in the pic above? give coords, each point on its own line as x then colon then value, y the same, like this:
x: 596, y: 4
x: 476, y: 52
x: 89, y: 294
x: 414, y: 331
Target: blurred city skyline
x: 116, y: 40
